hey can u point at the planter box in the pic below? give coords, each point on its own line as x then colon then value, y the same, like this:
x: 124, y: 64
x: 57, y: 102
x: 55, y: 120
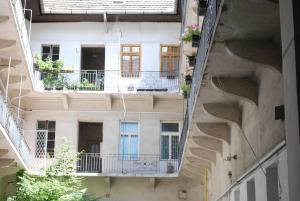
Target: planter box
x: 188, y: 79
x: 195, y: 40
x: 192, y: 60
x: 202, y: 7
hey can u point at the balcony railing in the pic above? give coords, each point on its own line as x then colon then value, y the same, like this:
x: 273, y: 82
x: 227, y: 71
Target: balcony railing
x: 209, y: 23
x: 113, y: 81
x: 115, y: 164
x: 13, y: 130
x: 25, y: 33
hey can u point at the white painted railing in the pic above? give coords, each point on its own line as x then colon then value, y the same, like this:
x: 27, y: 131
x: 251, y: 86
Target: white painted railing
x: 25, y: 33
x: 118, y: 164
x: 13, y: 130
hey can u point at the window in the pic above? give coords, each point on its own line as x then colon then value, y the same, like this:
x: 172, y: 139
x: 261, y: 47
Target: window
x: 251, y: 190
x: 169, y: 61
x: 130, y: 60
x: 129, y: 141
x: 45, y: 137
x: 237, y: 195
x: 169, y: 141
x: 272, y: 183
x: 50, y: 51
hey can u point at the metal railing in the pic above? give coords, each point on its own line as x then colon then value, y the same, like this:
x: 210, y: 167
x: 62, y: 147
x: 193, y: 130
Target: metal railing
x: 116, y: 164
x: 13, y: 130
x: 114, y: 80
x: 207, y: 31
x: 25, y: 33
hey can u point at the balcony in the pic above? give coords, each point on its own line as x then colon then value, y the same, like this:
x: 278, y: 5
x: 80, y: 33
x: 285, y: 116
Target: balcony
x: 111, y: 81
x: 206, y: 39
x: 126, y: 165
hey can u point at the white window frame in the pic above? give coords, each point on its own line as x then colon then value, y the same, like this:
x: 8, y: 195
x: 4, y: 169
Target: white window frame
x: 170, y: 134
x: 129, y: 139
x: 55, y: 134
x: 51, y: 49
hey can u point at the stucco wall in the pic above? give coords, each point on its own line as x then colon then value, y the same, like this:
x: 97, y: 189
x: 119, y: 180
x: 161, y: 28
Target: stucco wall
x: 72, y: 36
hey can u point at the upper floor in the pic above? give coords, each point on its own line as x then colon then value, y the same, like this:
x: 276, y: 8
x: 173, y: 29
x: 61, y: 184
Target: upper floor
x: 127, y: 57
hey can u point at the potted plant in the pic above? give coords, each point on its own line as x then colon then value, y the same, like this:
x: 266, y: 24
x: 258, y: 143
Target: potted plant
x: 185, y: 88
x: 60, y: 82
x: 202, y: 7
x: 188, y: 79
x: 192, y: 59
x: 86, y: 85
x: 69, y: 69
x: 191, y: 34
x: 50, y: 71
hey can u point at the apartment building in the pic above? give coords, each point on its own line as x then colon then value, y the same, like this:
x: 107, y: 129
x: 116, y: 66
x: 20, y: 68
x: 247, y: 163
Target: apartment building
x: 117, y: 95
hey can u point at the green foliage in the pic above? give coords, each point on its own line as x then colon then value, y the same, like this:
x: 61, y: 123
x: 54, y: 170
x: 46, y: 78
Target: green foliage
x: 56, y: 183
x: 50, y: 69
x: 186, y: 88
x: 189, y: 32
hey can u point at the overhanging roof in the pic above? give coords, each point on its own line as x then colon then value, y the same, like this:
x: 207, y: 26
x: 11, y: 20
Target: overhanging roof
x: 93, y: 10
x: 108, y: 6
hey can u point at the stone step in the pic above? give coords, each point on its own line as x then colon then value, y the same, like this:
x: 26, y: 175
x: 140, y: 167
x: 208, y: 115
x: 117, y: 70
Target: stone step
x: 3, y: 152
x: 4, y: 61
x: 4, y: 162
x: 4, y: 18
x: 4, y: 44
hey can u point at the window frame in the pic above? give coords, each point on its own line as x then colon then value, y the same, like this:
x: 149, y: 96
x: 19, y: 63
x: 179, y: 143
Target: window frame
x: 129, y: 157
x: 171, y: 70
x: 47, y: 129
x: 51, y: 46
x: 170, y: 135
x: 131, y: 54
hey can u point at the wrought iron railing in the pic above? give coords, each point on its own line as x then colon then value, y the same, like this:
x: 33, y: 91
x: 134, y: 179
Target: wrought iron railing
x: 113, y: 80
x: 13, y: 130
x: 207, y: 31
x: 116, y: 164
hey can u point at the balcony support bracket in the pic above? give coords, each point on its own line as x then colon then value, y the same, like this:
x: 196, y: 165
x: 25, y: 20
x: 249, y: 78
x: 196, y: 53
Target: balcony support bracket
x: 107, y: 185
x: 152, y: 183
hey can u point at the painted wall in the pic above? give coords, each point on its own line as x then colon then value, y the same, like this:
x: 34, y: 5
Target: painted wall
x: 261, y: 181
x: 72, y: 36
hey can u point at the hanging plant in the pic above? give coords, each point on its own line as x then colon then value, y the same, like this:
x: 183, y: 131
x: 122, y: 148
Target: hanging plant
x: 192, y: 34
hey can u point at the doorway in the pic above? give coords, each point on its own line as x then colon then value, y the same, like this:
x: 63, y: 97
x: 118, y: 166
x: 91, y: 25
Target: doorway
x: 90, y: 139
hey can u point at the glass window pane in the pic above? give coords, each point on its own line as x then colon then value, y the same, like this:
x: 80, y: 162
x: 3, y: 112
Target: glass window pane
x: 41, y: 125
x: 135, y: 49
x: 46, y: 49
x: 135, y: 64
x: 126, y: 49
x: 164, y: 147
x: 51, y: 135
x: 55, y: 57
x: 55, y: 50
x: 123, y: 149
x: 129, y: 127
x: 174, y: 147
x: 51, y: 125
x: 164, y: 49
x: 170, y: 127
x: 134, y: 149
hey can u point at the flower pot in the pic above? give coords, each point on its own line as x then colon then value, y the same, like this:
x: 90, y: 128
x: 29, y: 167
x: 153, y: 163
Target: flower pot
x: 48, y: 88
x: 188, y: 79
x: 185, y: 94
x: 202, y: 7
x: 59, y: 88
x: 195, y: 40
x: 192, y: 60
